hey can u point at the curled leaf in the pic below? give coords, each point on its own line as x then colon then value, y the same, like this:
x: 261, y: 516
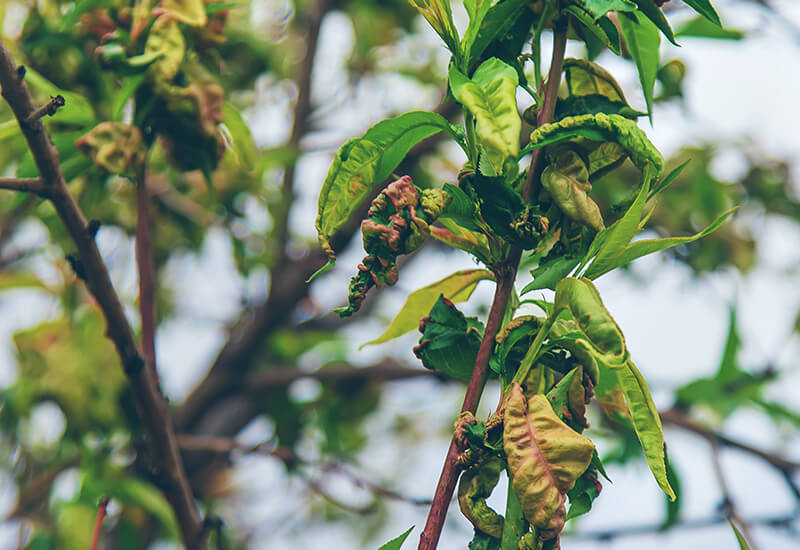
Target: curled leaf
x: 165, y: 41
x: 362, y: 163
x: 397, y: 224
x: 590, y: 90
x: 191, y: 12
x: 603, y: 127
x: 566, y: 179
x: 116, y: 147
x: 474, y: 488
x: 545, y: 457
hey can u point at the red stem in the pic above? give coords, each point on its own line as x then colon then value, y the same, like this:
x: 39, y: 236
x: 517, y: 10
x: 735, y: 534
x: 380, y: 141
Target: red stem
x: 98, y: 523
x: 506, y: 276
x: 147, y: 274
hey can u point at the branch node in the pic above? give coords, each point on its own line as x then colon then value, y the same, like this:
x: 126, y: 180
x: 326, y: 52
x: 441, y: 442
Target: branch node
x: 21, y: 70
x: 133, y: 364
x: 77, y: 266
x: 48, y: 108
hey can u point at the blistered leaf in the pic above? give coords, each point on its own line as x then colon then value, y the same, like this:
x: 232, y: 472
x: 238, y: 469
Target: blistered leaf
x: 364, y: 162
x: 115, y: 147
x: 77, y: 109
x: 459, y: 237
x: 603, y: 127
x: 457, y: 287
x: 568, y: 399
x: 704, y: 8
x: 642, y: 39
x: 646, y: 422
x: 166, y: 41
x: 449, y: 341
x: 397, y: 542
x: 191, y: 12
x: 490, y: 95
x: 590, y: 90
x: 398, y: 223
x: 566, y: 179
x: 474, y: 487
x: 513, y: 340
x: 438, y: 15
x: 545, y: 457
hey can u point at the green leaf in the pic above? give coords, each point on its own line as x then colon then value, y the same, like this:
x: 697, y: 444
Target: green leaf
x: 582, y: 495
x: 77, y: 109
x: 549, y: 274
x: 240, y: 139
x: 449, y: 341
x: 603, y: 29
x: 743, y: 545
x: 598, y: 8
x: 648, y: 246
x: 701, y: 27
x: 646, y: 422
x: 704, y: 8
x: 489, y: 21
x: 148, y: 498
x: 396, y: 543
x: 474, y: 487
x: 617, y: 237
x: 126, y: 91
x: 491, y: 98
x: 566, y: 179
x: 438, y: 15
x: 673, y: 507
x: 642, y: 39
x: 668, y: 179
x: 364, y: 162
x: 457, y: 287
x: 545, y: 457
x: 653, y: 12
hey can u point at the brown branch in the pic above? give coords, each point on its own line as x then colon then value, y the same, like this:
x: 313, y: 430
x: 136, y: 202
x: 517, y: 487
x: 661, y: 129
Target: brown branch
x: 150, y: 403
x: 48, y: 109
x: 506, y: 276
x: 98, y: 524
x: 27, y: 185
x: 147, y: 273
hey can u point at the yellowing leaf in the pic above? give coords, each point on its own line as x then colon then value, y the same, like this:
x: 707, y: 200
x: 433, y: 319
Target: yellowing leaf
x: 457, y: 287
x: 165, y: 39
x: 545, y: 457
x: 191, y: 12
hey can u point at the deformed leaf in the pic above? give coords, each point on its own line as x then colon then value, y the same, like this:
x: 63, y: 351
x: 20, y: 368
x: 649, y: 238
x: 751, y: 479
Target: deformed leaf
x: 457, y: 287
x: 545, y: 457
x: 474, y: 487
x: 364, y: 162
x: 603, y: 127
x: 191, y: 12
x: 590, y: 90
x: 566, y: 179
x: 165, y: 40
x: 568, y: 399
x: 642, y: 39
x: 115, y: 147
x: 449, y: 341
x: 397, y: 542
x: 490, y: 95
x: 646, y: 422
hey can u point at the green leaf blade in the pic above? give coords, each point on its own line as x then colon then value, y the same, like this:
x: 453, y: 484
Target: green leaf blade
x: 457, y: 287
x: 397, y: 542
x: 643, y: 40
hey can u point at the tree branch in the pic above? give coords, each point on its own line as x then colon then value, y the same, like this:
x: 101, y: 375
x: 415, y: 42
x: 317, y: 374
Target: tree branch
x: 27, y: 185
x: 150, y: 403
x: 147, y: 273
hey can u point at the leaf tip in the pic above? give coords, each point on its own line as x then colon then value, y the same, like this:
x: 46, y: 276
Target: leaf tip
x: 325, y: 268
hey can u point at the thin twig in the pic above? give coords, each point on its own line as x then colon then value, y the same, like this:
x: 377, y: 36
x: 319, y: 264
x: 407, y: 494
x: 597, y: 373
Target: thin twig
x: 27, y: 185
x: 150, y: 403
x: 48, y: 109
x: 728, y: 506
x: 98, y: 523
x: 147, y: 273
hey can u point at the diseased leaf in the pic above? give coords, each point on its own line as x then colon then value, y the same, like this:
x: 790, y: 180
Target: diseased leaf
x: 587, y: 488
x: 545, y: 457
x: 397, y: 542
x: 364, y: 162
x: 115, y: 147
x: 449, y: 341
x: 191, y: 12
x: 568, y: 399
x: 590, y: 90
x: 513, y: 340
x: 566, y: 179
x: 474, y: 487
x: 459, y: 237
x: 704, y: 8
x: 646, y: 422
x: 642, y: 39
x: 165, y: 40
x: 491, y: 98
x: 603, y: 127
x: 457, y: 287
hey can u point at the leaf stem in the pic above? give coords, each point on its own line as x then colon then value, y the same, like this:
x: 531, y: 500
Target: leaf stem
x: 98, y: 523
